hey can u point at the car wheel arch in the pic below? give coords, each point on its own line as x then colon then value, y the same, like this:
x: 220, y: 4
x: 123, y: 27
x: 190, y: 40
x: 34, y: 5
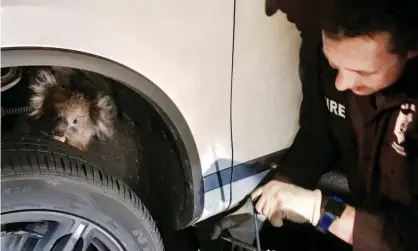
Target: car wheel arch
x: 165, y: 107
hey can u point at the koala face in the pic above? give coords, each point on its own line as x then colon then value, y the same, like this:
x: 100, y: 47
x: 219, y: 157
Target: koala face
x: 74, y: 115
x: 73, y: 123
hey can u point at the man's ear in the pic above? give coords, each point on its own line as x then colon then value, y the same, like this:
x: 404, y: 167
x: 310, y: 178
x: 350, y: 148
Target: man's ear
x: 305, y: 14
x: 271, y: 7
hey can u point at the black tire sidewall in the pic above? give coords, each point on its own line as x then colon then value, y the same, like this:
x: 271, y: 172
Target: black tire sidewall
x: 77, y: 197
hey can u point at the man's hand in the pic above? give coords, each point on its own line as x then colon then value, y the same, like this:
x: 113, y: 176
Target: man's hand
x: 280, y: 200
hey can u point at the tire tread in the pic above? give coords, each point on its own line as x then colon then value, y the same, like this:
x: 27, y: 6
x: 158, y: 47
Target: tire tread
x: 27, y: 155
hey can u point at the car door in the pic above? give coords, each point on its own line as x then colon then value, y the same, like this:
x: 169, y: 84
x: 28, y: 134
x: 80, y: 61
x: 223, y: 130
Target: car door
x: 266, y: 91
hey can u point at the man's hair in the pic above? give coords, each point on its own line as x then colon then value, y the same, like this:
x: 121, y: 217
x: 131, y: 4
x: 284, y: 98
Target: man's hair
x: 354, y: 18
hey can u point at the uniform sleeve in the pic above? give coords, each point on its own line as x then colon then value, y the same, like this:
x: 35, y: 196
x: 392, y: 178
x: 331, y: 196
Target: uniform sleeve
x: 313, y: 151
x: 395, y: 228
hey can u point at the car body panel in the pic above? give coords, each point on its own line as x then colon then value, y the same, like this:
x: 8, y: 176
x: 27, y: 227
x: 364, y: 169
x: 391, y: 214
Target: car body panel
x: 265, y: 102
x: 179, y: 46
x: 186, y: 49
x: 266, y: 86
x: 266, y: 98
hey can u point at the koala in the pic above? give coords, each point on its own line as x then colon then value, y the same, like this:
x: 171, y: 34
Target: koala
x: 77, y: 115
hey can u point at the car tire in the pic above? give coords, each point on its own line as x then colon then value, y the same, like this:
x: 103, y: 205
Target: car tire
x: 44, y: 175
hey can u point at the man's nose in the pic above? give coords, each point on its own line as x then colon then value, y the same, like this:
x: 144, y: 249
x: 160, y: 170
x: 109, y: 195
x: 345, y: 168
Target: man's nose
x: 345, y: 81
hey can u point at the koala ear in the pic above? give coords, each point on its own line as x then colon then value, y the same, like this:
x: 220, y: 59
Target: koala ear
x: 103, y: 116
x: 41, y: 85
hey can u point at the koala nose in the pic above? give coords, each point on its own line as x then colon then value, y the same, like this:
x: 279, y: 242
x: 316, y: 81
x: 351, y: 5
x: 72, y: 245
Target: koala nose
x: 60, y: 125
x: 58, y: 133
x: 61, y: 121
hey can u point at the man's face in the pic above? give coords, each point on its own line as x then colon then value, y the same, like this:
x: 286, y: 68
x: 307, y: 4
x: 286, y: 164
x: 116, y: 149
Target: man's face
x: 365, y: 64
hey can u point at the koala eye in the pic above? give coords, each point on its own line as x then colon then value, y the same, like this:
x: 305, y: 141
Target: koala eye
x: 75, y: 121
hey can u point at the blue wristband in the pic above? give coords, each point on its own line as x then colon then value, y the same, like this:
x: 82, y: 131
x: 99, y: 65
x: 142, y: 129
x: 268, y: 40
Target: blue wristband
x: 332, y: 208
x: 325, y: 222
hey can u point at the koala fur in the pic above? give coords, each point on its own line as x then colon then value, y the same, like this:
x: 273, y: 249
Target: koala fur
x: 78, y: 114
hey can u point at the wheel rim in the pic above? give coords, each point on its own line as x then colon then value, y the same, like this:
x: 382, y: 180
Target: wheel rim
x: 53, y: 231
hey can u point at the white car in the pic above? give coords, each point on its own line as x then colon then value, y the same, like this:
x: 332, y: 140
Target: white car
x: 210, y: 96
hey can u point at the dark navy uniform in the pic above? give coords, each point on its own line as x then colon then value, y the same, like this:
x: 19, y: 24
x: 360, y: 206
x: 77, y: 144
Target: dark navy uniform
x: 326, y: 140
x: 372, y: 139
x: 386, y: 126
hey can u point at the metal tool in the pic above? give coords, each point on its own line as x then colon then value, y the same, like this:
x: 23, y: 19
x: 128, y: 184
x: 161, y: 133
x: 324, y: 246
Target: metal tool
x: 249, y: 207
x: 239, y: 243
x: 244, y: 245
x: 253, y: 202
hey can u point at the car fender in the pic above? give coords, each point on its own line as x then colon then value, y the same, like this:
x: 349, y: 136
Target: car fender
x: 178, y: 46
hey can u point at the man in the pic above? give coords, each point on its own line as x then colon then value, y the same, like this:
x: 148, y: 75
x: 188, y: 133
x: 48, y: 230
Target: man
x: 371, y: 49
